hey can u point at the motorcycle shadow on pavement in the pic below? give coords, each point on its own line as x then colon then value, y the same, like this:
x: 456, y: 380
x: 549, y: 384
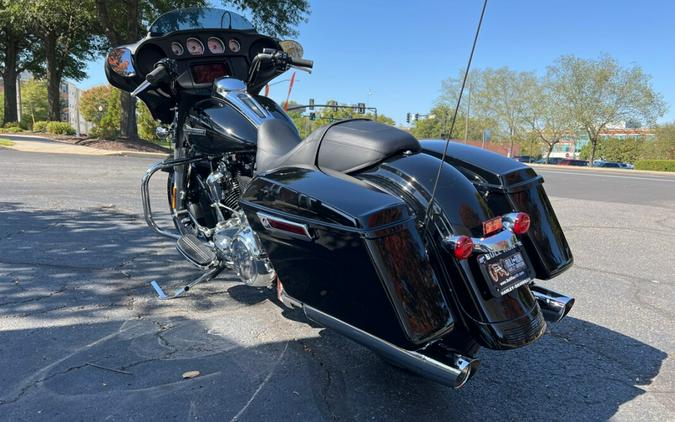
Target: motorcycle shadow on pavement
x: 82, y: 337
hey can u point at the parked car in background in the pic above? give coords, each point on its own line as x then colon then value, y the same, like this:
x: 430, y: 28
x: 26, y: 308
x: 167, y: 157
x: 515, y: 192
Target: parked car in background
x: 570, y: 162
x: 525, y: 158
x: 608, y: 164
x: 628, y: 166
x: 551, y: 160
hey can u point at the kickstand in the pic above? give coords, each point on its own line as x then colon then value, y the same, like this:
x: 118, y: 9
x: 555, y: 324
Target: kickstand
x: 211, y: 274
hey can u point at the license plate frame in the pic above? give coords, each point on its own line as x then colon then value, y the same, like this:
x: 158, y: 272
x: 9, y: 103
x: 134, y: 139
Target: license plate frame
x: 505, y: 271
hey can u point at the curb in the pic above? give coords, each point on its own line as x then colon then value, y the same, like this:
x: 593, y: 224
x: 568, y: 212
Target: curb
x: 600, y: 169
x: 75, y: 149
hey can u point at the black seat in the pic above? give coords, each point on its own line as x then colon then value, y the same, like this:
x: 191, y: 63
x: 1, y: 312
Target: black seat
x: 345, y: 146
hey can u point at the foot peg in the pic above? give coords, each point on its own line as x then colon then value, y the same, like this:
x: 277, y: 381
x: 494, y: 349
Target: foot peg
x: 196, y: 251
x: 210, y: 275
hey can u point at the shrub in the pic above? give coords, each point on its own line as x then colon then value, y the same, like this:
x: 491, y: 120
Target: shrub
x: 40, y: 126
x: 12, y: 129
x: 656, y: 165
x: 60, y: 128
x: 12, y: 125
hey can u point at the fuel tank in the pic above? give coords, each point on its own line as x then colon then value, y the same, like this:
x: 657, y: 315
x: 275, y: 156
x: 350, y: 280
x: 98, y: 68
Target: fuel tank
x: 219, y: 127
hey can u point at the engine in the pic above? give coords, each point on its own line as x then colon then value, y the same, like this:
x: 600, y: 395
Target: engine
x: 236, y: 243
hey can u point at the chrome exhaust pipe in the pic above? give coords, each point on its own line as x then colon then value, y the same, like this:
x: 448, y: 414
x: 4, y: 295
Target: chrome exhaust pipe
x: 453, y: 373
x: 554, y: 306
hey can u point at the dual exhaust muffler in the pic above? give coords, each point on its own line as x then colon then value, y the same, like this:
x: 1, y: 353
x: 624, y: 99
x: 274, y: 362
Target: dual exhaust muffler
x: 554, y: 306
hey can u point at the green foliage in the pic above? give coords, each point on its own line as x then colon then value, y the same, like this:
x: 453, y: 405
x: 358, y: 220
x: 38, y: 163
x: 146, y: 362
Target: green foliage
x: 599, y: 92
x: 612, y: 149
x: 12, y: 130
x: 664, y: 146
x: 94, y: 102
x: 656, y: 165
x: 146, y: 124
x: 40, y: 126
x: 109, y: 125
x: 60, y: 128
x: 12, y: 125
x: 6, y: 143
x: 34, y: 100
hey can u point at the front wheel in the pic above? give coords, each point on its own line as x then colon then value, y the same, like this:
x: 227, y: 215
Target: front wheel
x: 197, y: 203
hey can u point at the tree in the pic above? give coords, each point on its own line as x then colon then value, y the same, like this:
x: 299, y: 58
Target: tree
x: 19, y: 51
x: 543, y: 115
x: 34, y: 100
x: 123, y: 21
x: 495, y: 94
x: 94, y: 102
x: 67, y: 29
x: 437, y: 124
x: 600, y: 92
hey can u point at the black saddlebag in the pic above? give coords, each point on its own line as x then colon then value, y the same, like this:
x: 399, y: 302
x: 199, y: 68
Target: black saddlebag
x: 508, y: 186
x: 350, y: 250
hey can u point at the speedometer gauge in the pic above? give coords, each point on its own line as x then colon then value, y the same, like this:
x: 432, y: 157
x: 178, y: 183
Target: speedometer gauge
x: 177, y: 49
x: 234, y: 45
x: 216, y: 46
x: 194, y: 46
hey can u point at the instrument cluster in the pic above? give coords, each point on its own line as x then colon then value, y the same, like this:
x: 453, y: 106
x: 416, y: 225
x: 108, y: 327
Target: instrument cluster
x: 193, y: 46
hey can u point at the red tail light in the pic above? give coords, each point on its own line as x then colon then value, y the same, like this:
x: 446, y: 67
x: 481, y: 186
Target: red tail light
x: 462, y: 247
x: 521, y: 224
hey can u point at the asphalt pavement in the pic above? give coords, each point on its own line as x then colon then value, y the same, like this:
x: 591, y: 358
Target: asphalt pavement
x: 82, y: 336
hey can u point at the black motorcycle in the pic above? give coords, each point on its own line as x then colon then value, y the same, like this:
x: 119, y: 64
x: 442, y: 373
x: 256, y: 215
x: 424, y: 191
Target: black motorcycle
x: 422, y: 251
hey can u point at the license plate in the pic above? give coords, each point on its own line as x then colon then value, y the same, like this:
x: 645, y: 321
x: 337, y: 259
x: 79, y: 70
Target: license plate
x: 505, y: 272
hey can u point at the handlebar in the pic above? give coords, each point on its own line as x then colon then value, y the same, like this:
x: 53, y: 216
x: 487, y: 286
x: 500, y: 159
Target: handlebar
x: 158, y: 74
x: 302, y: 62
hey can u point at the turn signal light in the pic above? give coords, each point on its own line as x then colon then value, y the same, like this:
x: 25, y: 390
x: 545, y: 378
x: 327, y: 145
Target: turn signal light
x: 521, y: 224
x: 463, y: 247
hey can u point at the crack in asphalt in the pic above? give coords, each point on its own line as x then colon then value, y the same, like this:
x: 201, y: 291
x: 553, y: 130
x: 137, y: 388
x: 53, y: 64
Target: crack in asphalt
x: 35, y: 299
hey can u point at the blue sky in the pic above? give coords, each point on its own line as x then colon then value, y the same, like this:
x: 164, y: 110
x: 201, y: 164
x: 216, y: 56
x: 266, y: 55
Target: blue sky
x: 400, y: 51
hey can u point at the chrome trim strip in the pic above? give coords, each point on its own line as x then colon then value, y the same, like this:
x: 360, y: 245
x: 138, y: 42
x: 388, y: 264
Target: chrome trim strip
x: 499, y: 242
x: 234, y: 91
x: 265, y: 221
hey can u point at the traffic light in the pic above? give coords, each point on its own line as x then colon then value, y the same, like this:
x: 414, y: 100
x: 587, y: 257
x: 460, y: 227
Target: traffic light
x: 407, y: 118
x: 362, y: 108
x: 312, y: 116
x: 417, y: 116
x: 311, y: 104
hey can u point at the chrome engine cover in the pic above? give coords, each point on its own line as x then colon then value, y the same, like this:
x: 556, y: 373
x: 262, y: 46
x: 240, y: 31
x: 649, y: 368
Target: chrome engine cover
x: 238, y: 245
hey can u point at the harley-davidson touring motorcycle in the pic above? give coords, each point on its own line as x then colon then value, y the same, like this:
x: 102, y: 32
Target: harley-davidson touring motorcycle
x: 342, y: 224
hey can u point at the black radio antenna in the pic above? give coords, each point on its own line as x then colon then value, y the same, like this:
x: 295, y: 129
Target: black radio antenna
x: 454, y: 118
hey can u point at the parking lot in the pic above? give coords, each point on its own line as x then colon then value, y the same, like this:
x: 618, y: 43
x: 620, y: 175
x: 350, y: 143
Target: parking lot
x: 83, y: 337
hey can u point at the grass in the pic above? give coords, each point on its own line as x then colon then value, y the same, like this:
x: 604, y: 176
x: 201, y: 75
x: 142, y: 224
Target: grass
x: 6, y: 143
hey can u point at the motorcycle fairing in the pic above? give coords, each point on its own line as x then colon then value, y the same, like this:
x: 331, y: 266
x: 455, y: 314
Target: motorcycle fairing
x: 364, y: 263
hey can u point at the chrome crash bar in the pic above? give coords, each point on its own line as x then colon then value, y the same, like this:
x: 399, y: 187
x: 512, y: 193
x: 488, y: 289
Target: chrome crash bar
x: 145, y: 193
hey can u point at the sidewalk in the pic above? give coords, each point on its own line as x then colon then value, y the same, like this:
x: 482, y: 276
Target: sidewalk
x: 34, y: 143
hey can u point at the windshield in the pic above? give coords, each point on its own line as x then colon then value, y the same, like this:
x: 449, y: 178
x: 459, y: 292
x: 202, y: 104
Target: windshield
x: 198, y: 18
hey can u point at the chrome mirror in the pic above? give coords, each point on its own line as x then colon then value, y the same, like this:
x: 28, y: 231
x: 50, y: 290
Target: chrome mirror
x: 292, y: 48
x: 120, y: 61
